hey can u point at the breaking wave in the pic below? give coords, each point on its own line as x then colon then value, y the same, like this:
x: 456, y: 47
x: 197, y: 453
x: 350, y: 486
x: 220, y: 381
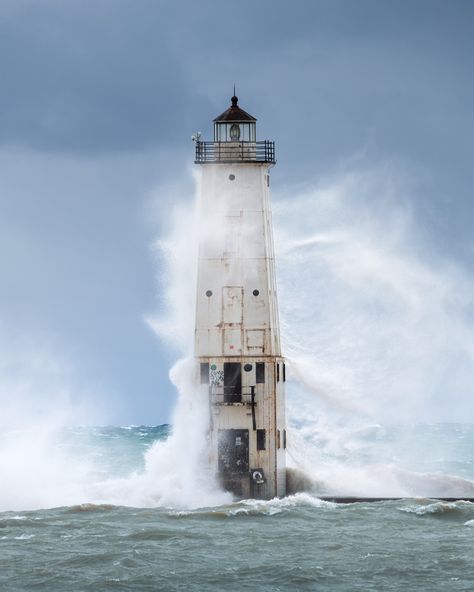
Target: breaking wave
x: 440, y: 508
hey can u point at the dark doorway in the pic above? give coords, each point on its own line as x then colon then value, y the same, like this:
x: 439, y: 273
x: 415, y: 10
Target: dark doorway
x: 261, y: 439
x: 233, y: 451
x: 260, y: 372
x: 232, y: 382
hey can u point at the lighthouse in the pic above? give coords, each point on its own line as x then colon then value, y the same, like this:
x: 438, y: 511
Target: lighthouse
x: 237, y: 338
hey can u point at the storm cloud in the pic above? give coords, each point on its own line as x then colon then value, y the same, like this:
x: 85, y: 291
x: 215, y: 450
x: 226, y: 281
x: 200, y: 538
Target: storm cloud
x: 98, y: 103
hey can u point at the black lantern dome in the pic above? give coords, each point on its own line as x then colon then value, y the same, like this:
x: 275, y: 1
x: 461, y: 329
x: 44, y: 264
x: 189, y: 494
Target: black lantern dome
x: 234, y: 125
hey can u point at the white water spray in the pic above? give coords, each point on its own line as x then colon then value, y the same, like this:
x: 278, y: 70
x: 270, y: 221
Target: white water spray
x: 375, y: 331
x: 377, y: 328
x: 371, y: 327
x: 36, y: 403
x: 177, y: 470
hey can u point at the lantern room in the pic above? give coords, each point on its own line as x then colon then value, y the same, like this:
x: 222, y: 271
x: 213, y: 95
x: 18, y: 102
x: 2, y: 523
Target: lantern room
x: 235, y: 140
x: 234, y: 125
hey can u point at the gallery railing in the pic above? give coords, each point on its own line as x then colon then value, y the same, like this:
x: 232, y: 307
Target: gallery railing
x: 235, y: 152
x: 222, y: 395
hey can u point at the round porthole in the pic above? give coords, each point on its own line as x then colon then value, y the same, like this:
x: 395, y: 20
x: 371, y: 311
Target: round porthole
x: 213, y: 367
x: 231, y: 177
x: 255, y: 292
x: 209, y: 293
x: 248, y: 367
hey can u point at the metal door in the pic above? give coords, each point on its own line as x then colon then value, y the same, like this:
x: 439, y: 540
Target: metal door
x: 232, y: 301
x: 232, y: 315
x: 233, y: 451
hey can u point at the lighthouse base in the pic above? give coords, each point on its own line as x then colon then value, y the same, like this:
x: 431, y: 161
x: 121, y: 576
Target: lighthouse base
x: 251, y: 485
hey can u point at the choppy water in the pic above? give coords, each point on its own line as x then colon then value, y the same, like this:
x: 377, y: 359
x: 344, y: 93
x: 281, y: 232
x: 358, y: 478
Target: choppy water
x: 296, y: 543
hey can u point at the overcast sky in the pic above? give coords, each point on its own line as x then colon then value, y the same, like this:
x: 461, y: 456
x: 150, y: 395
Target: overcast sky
x: 98, y: 103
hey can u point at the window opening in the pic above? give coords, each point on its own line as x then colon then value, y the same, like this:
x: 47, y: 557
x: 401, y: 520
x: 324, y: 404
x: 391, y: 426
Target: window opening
x: 260, y: 372
x: 261, y: 439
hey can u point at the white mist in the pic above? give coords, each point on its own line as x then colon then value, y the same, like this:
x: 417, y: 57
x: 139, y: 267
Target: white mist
x: 377, y: 328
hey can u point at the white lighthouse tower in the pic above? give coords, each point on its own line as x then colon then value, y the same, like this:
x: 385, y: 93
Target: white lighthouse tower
x: 237, y: 340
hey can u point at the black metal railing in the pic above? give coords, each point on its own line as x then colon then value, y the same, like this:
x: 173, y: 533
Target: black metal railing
x: 235, y: 152
x: 227, y: 395
x: 231, y: 395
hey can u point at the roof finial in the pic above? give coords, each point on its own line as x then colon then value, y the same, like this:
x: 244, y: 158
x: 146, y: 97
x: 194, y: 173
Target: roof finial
x: 234, y: 99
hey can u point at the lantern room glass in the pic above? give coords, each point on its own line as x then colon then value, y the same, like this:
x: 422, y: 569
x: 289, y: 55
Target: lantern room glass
x: 234, y: 131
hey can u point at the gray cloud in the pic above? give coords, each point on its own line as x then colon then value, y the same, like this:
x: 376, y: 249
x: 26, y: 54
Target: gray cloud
x: 88, y: 77
x: 99, y: 99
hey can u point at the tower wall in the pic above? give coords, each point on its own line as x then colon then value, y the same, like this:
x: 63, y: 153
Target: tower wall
x: 237, y: 339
